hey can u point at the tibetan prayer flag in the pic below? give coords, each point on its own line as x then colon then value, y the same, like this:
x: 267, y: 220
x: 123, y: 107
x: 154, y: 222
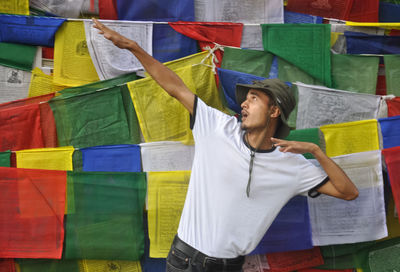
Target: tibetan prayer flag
x: 194, y: 59
x: 252, y: 37
x: 313, y: 56
x: 153, y: 10
x: 361, y: 43
x: 40, y: 265
x: 5, y: 159
x: 228, y: 80
x: 73, y: 65
x: 251, y: 11
x: 31, y: 213
x: 319, y: 106
x: 392, y: 218
x: 15, y: 7
x: 335, y: 221
x: 247, y: 61
x: 294, y: 260
x: 161, y: 117
x: 305, y: 135
x: 32, y: 30
x: 389, y: 12
x: 108, y: 9
x: 390, y: 128
x: 355, y: 73
x: 66, y: 9
x: 105, y: 219
x: 109, y: 265
x: 93, y: 118
x: 7, y: 265
x: 109, y: 60
x: 166, y: 196
x: 18, y: 56
x: 300, y: 18
x: 27, y: 101
x: 351, y: 137
x: 14, y: 84
x: 166, y: 156
x: 290, y: 230
x: 112, y: 158
x: 58, y: 158
x: 393, y: 106
x: 42, y: 84
x: 325, y: 270
x: 392, y: 74
x: 169, y: 45
x: 392, y: 160
x: 325, y: 8
x: 364, y: 11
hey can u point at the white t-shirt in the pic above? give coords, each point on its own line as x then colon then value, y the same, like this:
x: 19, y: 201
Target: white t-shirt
x: 218, y: 218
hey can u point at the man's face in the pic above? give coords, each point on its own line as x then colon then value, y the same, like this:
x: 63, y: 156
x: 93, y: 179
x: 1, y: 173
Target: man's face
x: 255, y: 110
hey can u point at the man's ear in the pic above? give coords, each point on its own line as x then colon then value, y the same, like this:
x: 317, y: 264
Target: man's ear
x: 275, y: 112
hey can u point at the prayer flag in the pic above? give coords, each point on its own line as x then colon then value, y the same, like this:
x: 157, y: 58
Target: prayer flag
x: 323, y: 106
x: 105, y: 218
x: 40, y: 265
x: 166, y: 196
x: 73, y: 65
x: 58, y: 158
x: 15, y: 7
x: 14, y: 84
x: 7, y: 265
x: 5, y: 159
x: 294, y: 260
x: 109, y: 265
x: 351, y: 137
x: 392, y: 74
x: 325, y: 8
x: 355, y: 73
x: 392, y: 218
x: 42, y: 84
x: 32, y: 30
x: 112, y: 158
x: 31, y: 213
x: 300, y: 18
x: 361, y: 43
x: 393, y: 106
x: 313, y: 56
x: 390, y: 131
x: 364, y: 11
x: 26, y: 101
x: 153, y: 10
x: 166, y: 156
x: 305, y: 135
x: 251, y: 37
x: 391, y: 156
x: 108, y: 9
x: 66, y: 9
x: 18, y: 56
x: 389, y: 12
x: 335, y: 221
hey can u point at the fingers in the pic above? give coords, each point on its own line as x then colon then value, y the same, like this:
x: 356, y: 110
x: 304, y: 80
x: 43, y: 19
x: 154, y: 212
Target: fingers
x: 278, y: 142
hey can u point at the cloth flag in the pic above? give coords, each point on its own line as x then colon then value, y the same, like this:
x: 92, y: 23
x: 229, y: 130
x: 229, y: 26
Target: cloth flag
x: 391, y: 156
x: 166, y: 156
x: 252, y: 37
x: 5, y: 159
x: 335, y: 221
x: 294, y: 260
x: 14, y: 84
x: 324, y: 8
x: 73, y: 65
x: 105, y: 215
x: 390, y: 131
x: 393, y: 106
x: 26, y: 101
x: 15, y: 7
x: 108, y: 9
x: 32, y: 30
x: 313, y: 56
x: 290, y: 230
x: 112, y: 158
x: 320, y: 106
x: 39, y: 265
x: 361, y: 43
x: 31, y: 213
x: 389, y: 12
x: 364, y: 11
x: 249, y: 12
x: 42, y: 84
x: 300, y: 18
x: 104, y: 265
x: 311, y: 135
x: 392, y: 74
x: 348, y: 75
x: 109, y: 60
x: 58, y: 158
x: 166, y: 196
x: 7, y: 265
x: 18, y: 56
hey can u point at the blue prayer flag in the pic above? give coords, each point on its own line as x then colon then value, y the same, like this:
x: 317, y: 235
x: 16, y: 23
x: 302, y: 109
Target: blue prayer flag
x: 390, y: 128
x: 388, y: 12
x: 361, y: 43
x: 290, y: 17
x: 32, y: 30
x: 112, y: 158
x: 291, y: 229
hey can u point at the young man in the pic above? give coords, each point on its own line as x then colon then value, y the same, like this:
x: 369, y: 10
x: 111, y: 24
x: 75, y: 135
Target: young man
x: 240, y: 179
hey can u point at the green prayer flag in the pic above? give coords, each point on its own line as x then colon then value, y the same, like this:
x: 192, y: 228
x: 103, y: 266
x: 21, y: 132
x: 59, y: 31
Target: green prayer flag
x: 19, y: 56
x: 5, y: 159
x: 94, y: 118
x: 355, y: 73
x: 306, y: 46
x: 340, y: 262
x: 105, y: 220
x: 305, y: 135
x: 41, y: 265
x: 247, y: 61
x: 392, y: 74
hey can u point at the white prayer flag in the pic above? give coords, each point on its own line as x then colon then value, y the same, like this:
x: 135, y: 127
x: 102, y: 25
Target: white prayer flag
x: 252, y: 37
x: 109, y: 60
x: 320, y: 106
x: 337, y: 221
x: 14, y: 84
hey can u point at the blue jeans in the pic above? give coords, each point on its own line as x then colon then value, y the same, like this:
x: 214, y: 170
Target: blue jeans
x: 184, y: 258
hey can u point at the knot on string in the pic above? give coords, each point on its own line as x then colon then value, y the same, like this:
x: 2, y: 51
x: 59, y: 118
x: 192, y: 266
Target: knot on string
x: 211, y: 51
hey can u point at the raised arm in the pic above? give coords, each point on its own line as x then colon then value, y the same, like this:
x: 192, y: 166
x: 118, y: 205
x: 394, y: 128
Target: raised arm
x: 166, y: 78
x: 339, y: 184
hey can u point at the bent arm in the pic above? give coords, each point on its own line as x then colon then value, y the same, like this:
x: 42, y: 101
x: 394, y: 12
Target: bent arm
x: 339, y: 184
x: 167, y: 79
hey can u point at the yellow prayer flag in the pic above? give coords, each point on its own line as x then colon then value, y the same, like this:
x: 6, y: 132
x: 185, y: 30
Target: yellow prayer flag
x: 20, y: 7
x: 335, y: 37
x: 58, y: 158
x: 392, y: 221
x: 161, y: 117
x: 42, y: 84
x: 109, y: 265
x: 382, y: 25
x: 166, y: 196
x: 351, y: 137
x: 73, y: 65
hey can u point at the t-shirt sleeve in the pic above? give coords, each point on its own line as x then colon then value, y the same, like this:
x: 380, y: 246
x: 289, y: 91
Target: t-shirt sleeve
x: 310, y: 177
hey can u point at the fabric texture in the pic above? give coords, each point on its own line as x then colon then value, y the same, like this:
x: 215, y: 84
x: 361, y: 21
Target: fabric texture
x: 328, y: 8
x: 19, y: 56
x: 361, y: 43
x: 294, y: 260
x: 305, y: 135
x: 389, y: 12
x: 15, y: 7
x: 300, y: 18
x: 108, y: 9
x: 392, y: 74
x: 58, y: 158
x: 390, y: 131
x: 391, y: 156
x: 393, y: 106
x: 5, y: 158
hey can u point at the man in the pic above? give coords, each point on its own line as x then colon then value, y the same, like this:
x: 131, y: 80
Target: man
x: 239, y: 179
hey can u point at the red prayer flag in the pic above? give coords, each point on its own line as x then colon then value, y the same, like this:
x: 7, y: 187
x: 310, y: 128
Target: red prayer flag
x: 294, y: 260
x: 364, y: 11
x: 325, y: 270
x: 7, y: 265
x: 108, y: 10
x: 32, y: 205
x: 394, y: 32
x: 392, y: 158
x: 27, y: 101
x: 381, y: 82
x: 393, y: 106
x: 338, y: 9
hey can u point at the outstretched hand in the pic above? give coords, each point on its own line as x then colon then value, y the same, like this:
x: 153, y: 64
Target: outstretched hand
x: 294, y: 146
x: 116, y: 38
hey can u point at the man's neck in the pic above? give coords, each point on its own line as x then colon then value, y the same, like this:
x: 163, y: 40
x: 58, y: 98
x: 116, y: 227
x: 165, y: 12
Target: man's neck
x: 260, y: 139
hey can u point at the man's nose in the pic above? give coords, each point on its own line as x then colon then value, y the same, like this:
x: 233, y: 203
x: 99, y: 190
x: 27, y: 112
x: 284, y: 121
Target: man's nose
x: 244, y: 104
